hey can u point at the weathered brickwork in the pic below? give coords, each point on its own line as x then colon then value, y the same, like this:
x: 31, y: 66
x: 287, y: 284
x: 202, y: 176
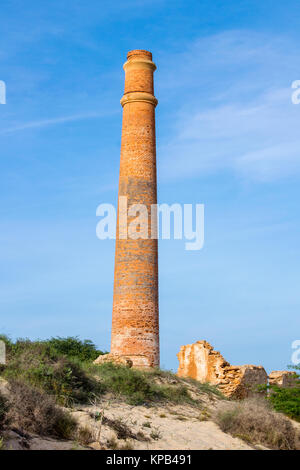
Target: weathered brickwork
x: 201, y: 362
x: 135, y: 328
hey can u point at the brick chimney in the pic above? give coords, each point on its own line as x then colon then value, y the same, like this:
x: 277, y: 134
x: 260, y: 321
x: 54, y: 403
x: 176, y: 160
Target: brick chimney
x: 135, y: 324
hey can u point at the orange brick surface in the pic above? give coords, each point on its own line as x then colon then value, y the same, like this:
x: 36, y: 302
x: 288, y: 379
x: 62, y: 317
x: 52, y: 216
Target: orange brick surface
x: 135, y: 324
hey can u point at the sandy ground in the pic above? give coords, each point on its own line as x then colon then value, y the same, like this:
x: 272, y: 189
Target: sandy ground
x: 113, y: 424
x: 163, y: 428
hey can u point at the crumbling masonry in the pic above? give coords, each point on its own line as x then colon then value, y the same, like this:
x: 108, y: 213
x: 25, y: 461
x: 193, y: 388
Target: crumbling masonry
x: 201, y: 362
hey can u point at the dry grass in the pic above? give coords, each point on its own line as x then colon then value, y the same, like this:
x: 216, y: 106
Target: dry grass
x: 33, y: 411
x: 121, y: 429
x: 84, y: 436
x: 155, y: 435
x: 254, y: 421
x: 3, y: 411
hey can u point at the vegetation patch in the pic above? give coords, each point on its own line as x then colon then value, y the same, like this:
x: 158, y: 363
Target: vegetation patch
x: 254, y: 421
x: 64, y: 367
x: 40, y: 365
x: 137, y: 386
x: 34, y: 411
x: 287, y: 400
x: 207, y: 388
x: 3, y: 411
x: 73, y: 348
x: 122, y: 429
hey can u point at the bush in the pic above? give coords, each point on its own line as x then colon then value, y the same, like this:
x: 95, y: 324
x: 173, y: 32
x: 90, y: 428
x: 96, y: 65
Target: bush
x: 178, y: 394
x: 63, y: 367
x: 139, y: 386
x: 33, y: 411
x: 70, y: 347
x: 287, y: 400
x: 6, y: 340
x: 206, y: 387
x: 38, y: 364
x: 121, y: 380
x: 74, y: 348
x: 254, y: 421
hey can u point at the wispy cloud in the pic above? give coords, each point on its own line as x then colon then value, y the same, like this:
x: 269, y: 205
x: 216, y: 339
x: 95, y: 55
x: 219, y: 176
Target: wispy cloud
x: 52, y: 122
x: 240, y: 119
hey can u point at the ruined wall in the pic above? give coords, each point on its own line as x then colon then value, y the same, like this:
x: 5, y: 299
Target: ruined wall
x: 242, y: 381
x: 282, y: 378
x: 201, y: 362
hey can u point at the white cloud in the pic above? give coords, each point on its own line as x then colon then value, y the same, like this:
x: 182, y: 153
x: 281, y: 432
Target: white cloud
x: 251, y: 129
x: 271, y: 163
x: 51, y: 122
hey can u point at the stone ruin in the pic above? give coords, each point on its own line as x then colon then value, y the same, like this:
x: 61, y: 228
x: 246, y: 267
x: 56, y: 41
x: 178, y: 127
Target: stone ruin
x: 114, y: 358
x: 135, y: 361
x: 282, y: 378
x: 201, y: 362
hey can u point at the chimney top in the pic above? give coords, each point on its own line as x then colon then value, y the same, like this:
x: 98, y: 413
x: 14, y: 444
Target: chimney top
x: 139, y: 52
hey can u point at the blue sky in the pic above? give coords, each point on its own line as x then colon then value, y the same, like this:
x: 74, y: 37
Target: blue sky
x: 227, y: 136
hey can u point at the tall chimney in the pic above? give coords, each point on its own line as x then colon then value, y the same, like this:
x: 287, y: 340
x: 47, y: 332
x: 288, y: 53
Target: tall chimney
x: 135, y: 326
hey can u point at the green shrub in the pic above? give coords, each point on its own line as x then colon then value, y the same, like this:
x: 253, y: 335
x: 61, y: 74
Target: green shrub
x: 38, y: 364
x: 139, y: 386
x: 6, y: 340
x: 286, y: 400
x: 63, y: 367
x: 74, y: 348
x: 70, y: 347
x: 178, y: 394
x: 130, y: 383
